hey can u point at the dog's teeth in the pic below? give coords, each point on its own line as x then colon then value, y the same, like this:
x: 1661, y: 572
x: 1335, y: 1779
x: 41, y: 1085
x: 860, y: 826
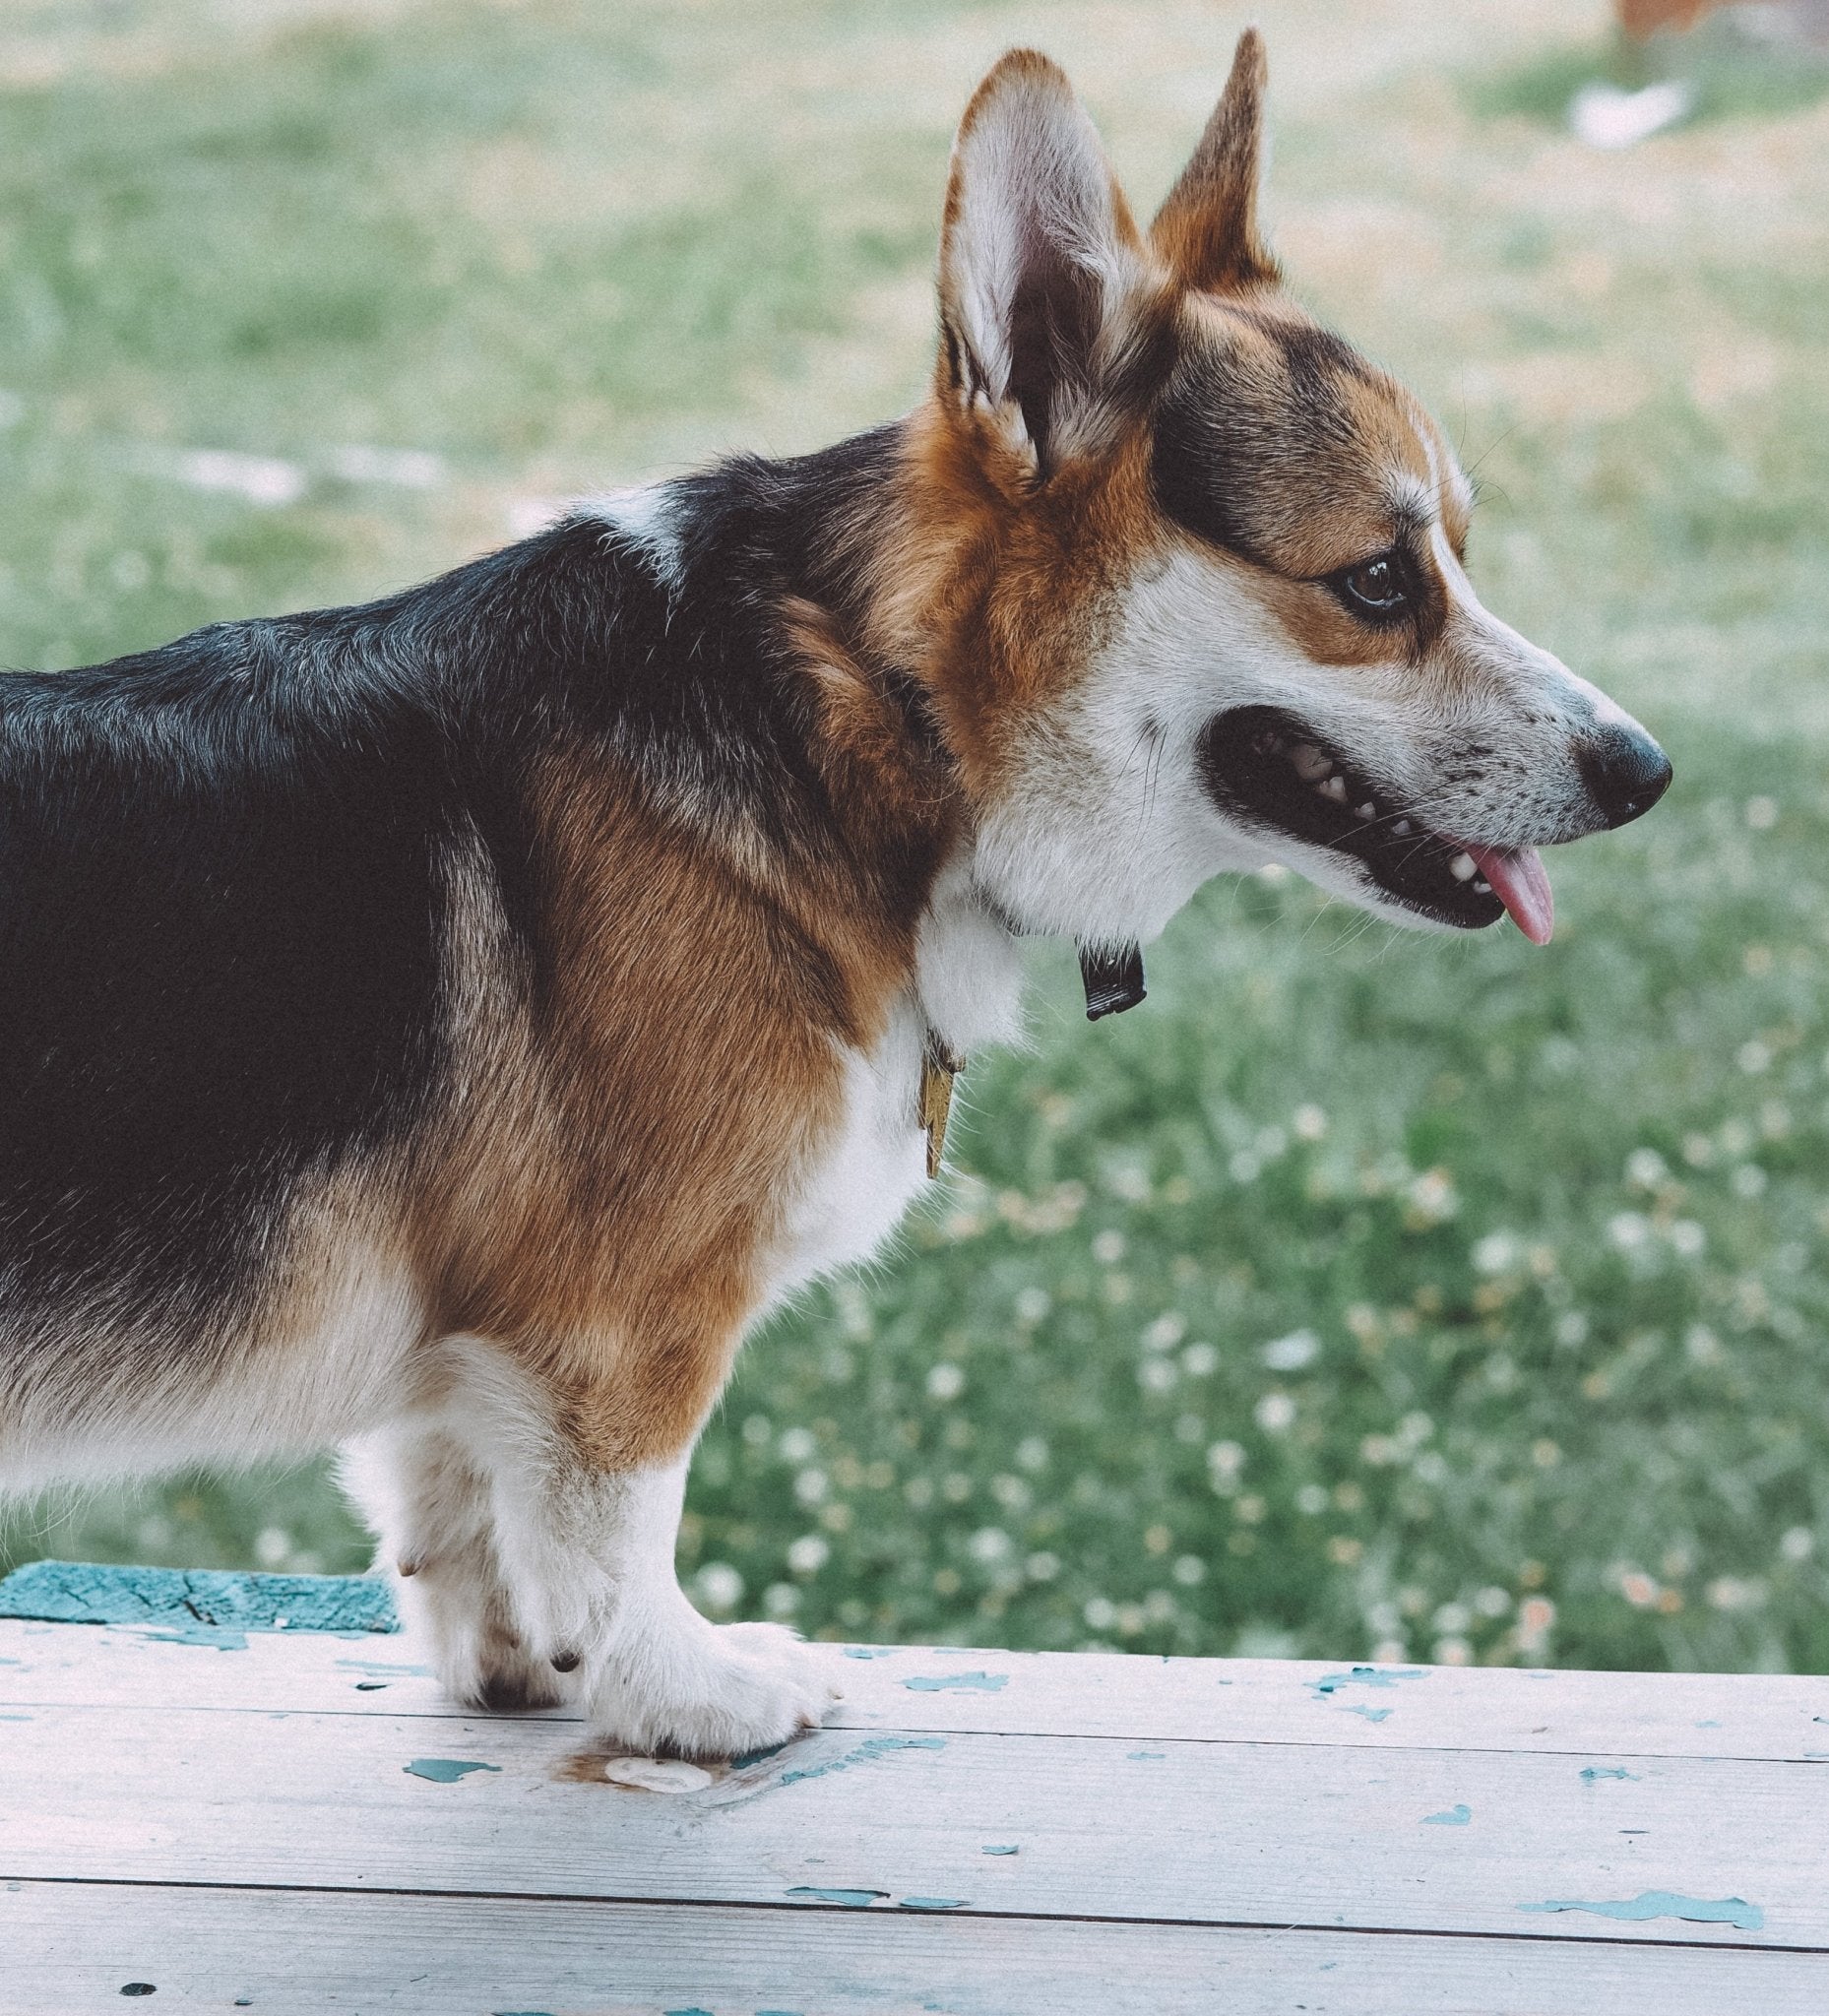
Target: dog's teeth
x: 1462, y: 868
x: 1334, y: 788
x: 1402, y: 828
x: 1483, y: 887
x: 1310, y: 764
x: 1365, y: 811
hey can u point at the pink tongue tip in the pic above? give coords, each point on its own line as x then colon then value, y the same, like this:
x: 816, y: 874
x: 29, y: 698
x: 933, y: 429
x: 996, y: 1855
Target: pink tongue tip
x: 1520, y: 883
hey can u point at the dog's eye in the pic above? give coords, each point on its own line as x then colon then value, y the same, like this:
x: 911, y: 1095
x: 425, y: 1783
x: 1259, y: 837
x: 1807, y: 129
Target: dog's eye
x: 1376, y: 586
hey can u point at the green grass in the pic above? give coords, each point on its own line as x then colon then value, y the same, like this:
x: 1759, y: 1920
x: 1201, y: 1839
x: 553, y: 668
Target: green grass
x: 1359, y: 1292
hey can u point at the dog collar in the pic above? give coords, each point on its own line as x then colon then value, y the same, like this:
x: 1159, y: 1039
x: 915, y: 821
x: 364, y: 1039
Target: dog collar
x: 1114, y: 983
x: 1113, y: 980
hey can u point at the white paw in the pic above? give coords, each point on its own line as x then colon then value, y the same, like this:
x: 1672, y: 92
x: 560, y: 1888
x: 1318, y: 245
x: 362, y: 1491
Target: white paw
x: 693, y: 1689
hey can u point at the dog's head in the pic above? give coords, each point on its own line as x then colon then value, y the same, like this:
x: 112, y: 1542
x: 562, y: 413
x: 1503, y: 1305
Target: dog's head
x: 1204, y: 566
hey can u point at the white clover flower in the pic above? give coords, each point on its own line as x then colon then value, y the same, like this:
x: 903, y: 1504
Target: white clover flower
x: 1099, y: 1612
x: 797, y: 1445
x: 989, y: 1545
x: 1688, y: 1237
x: 1190, y: 1570
x: 1033, y: 1304
x: 1628, y: 1229
x: 1032, y: 1453
x: 718, y: 1586
x: 1108, y: 1247
x: 945, y: 1382
x: 1199, y: 1360
x: 1274, y: 1413
x: 1748, y: 1180
x: 1798, y: 1545
x: 1165, y: 1332
x: 1495, y: 1253
x: 809, y: 1554
x: 1309, y: 1123
x: 810, y: 1486
x: 1646, y: 1169
x: 1291, y: 1352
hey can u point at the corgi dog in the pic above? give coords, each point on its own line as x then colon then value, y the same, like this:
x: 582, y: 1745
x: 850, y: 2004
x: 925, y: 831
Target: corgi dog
x: 441, y: 1028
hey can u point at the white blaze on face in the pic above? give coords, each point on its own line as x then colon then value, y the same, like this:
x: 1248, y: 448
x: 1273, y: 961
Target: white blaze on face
x: 1105, y: 827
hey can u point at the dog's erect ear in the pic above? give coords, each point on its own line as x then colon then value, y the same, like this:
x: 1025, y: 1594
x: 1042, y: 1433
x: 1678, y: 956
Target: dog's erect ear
x: 1038, y: 259
x: 1207, y: 228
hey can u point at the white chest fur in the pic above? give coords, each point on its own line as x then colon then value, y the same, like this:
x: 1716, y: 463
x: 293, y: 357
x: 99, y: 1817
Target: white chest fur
x: 968, y: 990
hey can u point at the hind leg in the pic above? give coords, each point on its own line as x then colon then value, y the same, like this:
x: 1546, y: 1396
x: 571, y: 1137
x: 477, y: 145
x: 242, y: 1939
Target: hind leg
x: 431, y: 1507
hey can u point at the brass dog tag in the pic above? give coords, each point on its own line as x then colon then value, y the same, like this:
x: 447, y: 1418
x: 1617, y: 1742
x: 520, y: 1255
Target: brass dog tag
x: 938, y: 1068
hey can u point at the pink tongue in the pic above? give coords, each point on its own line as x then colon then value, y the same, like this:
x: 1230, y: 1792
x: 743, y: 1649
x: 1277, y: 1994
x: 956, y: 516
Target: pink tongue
x: 1521, y: 885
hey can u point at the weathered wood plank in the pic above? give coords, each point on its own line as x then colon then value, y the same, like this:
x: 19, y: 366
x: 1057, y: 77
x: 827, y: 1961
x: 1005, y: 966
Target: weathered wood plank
x: 1107, y: 1694
x: 1468, y: 1842
x: 1030, y: 1693
x: 71, y: 1947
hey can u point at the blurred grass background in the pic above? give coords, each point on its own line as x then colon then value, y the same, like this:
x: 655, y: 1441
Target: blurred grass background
x: 1361, y: 1293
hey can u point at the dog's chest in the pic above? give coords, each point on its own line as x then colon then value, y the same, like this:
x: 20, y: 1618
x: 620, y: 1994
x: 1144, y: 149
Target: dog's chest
x: 872, y: 1161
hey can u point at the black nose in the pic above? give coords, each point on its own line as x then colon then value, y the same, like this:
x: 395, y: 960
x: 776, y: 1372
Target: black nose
x: 1626, y: 772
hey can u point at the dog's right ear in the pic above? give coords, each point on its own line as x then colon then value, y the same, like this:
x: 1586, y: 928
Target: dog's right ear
x: 1039, y: 262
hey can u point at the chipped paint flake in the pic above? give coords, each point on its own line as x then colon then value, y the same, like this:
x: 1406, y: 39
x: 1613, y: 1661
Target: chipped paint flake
x: 1365, y: 1677
x: 1000, y: 1848
x: 931, y: 1904
x: 655, y: 1774
x: 1454, y: 1816
x: 1708, y: 1911
x: 867, y: 1752
x: 857, y: 1900
x: 939, y: 1684
x: 1591, y: 1774
x: 445, y: 1769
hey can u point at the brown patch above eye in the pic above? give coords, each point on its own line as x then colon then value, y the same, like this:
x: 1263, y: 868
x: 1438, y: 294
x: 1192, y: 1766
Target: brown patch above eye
x: 1324, y: 630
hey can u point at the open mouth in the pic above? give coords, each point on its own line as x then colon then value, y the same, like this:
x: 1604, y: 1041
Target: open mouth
x: 1272, y: 771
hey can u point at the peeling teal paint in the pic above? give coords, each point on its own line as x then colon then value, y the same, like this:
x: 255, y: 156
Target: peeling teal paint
x: 931, y: 1904
x: 751, y: 1757
x: 1370, y: 1713
x: 857, y: 1898
x: 1001, y: 1848
x: 1708, y: 1911
x: 1591, y: 1774
x: 199, y: 1606
x: 1454, y: 1816
x: 871, y: 1651
x: 445, y: 1769
x: 867, y: 1752
x: 937, y: 1683
x: 1365, y: 1677
x: 1146, y: 1756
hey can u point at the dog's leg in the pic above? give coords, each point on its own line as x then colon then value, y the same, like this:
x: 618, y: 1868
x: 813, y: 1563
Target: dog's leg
x: 590, y: 1553
x: 431, y: 1506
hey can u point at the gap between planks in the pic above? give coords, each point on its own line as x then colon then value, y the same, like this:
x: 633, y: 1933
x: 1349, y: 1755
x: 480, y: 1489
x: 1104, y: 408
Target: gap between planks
x: 887, y: 1913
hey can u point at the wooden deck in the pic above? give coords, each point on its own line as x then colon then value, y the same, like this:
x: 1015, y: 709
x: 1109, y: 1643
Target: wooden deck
x: 292, y: 1820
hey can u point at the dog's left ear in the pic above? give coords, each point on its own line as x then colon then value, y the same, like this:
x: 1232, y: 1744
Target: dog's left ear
x: 1207, y: 228
x: 1040, y: 263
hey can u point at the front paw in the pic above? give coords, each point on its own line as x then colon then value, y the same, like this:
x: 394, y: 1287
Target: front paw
x: 711, y: 1690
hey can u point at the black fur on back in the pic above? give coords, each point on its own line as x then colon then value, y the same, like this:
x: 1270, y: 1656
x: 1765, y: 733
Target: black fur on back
x: 222, y: 964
